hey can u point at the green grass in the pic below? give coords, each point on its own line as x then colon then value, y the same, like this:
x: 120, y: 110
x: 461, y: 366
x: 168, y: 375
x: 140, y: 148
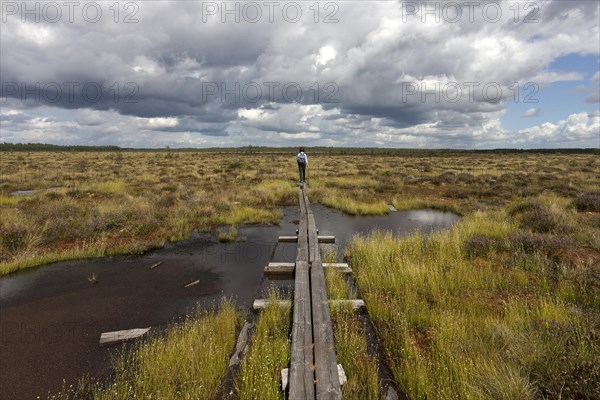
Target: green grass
x: 354, y: 207
x: 260, y: 373
x: 9, y: 200
x: 271, y: 192
x: 73, y: 229
x: 152, y: 197
x: 229, y: 236
x: 188, y: 363
x: 112, y: 187
x: 29, y: 261
x: 457, y: 327
x: 86, y: 250
x: 415, y: 204
x: 336, y: 284
x: 361, y: 368
x: 249, y: 215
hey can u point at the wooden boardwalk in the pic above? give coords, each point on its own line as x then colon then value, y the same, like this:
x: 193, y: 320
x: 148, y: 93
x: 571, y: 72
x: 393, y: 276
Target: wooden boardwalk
x: 313, y: 367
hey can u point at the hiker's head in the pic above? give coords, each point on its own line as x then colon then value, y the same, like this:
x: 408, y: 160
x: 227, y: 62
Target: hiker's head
x: 301, y: 149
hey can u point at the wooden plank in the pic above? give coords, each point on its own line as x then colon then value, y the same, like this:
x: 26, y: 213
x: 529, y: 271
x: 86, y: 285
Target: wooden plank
x: 314, y: 251
x: 355, y: 303
x: 285, y: 373
x: 326, y: 377
x: 261, y: 304
x: 285, y: 378
x: 241, y: 343
x: 342, y: 267
x: 306, y: 202
x: 327, y: 382
x: 281, y: 264
x: 287, y: 269
x: 342, y: 374
x: 280, y: 272
x: 288, y: 239
x: 280, y: 268
x: 192, y: 283
x: 156, y: 265
x: 326, y: 239
x: 121, y: 336
x: 301, y: 374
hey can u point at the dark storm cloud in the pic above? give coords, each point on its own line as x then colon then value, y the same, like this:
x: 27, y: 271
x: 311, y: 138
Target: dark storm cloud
x: 182, y: 71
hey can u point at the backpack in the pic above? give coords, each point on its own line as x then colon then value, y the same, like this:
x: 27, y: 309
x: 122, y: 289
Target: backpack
x: 301, y: 158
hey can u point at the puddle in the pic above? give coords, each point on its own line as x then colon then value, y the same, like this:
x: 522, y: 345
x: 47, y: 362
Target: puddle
x: 51, y: 317
x: 31, y: 192
x: 22, y: 193
x: 343, y: 227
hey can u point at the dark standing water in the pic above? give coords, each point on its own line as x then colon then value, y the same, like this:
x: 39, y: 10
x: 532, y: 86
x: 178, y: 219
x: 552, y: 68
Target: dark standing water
x: 330, y: 222
x: 51, y: 317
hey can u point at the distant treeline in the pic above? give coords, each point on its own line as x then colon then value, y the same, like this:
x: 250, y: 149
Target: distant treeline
x: 280, y: 150
x: 53, y: 147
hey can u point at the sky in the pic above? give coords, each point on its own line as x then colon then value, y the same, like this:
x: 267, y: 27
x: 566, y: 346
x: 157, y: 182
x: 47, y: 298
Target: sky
x: 394, y: 74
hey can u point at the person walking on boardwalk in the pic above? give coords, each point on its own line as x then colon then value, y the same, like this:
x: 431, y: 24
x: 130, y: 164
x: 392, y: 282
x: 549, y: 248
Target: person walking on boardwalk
x: 302, y: 160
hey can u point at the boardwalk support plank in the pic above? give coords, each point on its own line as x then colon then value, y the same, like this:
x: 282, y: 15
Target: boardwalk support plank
x: 121, y: 336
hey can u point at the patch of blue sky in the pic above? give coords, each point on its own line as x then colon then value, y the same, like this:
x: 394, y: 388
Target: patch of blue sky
x: 558, y: 100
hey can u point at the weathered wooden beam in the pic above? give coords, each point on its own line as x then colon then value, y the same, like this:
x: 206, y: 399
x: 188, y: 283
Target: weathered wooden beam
x: 155, y: 265
x: 240, y: 345
x: 302, y: 376
x: 288, y: 239
x: 285, y: 373
x: 121, y: 336
x: 282, y: 268
x: 326, y: 239
x: 342, y: 267
x: 261, y: 304
x: 192, y: 283
x: 327, y: 382
x: 355, y: 303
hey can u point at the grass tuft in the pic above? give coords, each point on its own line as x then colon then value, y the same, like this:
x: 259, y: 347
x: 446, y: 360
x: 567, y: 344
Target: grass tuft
x: 260, y: 373
x: 228, y: 236
x: 454, y: 325
x: 188, y: 362
x: 355, y: 207
x: 112, y: 187
x: 9, y: 200
x: 249, y: 215
x: 360, y: 366
x: 415, y: 204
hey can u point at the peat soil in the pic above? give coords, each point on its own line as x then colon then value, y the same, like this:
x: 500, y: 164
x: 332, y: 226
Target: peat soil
x: 51, y: 317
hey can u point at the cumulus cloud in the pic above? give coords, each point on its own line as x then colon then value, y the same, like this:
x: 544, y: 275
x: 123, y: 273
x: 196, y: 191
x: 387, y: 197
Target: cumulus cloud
x: 158, y: 123
x: 355, y: 73
x: 577, y: 128
x: 532, y: 112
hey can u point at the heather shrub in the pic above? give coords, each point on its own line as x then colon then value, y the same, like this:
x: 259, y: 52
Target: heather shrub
x: 589, y: 201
